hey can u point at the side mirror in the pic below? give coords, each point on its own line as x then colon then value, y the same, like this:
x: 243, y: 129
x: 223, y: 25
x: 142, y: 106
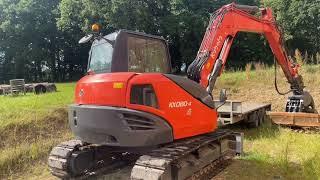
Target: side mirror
x: 180, y: 71
x: 86, y: 39
x: 223, y: 95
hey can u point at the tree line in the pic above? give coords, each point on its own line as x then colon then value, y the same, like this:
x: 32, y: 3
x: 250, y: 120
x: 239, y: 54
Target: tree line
x: 39, y: 38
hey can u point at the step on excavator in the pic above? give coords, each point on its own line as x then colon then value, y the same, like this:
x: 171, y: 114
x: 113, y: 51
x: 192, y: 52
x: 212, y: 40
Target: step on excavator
x: 130, y: 108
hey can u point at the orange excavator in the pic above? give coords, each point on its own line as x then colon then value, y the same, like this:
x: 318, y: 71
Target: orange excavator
x: 129, y: 108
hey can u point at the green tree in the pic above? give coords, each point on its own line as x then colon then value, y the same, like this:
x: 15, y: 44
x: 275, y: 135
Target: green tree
x: 28, y: 36
x: 300, y: 20
x: 34, y: 47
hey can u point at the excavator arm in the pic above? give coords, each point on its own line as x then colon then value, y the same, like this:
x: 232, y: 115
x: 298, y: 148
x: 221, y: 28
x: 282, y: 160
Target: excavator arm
x: 224, y: 24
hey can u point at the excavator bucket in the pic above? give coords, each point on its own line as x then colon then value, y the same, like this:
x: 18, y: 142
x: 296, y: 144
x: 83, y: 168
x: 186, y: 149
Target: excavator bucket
x: 298, y: 119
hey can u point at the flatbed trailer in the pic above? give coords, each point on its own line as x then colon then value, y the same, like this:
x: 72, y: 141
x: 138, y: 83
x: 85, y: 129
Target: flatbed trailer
x: 232, y: 111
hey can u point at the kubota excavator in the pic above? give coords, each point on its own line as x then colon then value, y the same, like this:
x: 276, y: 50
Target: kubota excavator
x: 129, y: 105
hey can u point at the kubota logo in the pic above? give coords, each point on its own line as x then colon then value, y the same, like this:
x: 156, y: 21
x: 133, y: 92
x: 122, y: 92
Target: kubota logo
x: 81, y: 92
x: 179, y: 104
x: 216, y: 47
x: 214, y: 51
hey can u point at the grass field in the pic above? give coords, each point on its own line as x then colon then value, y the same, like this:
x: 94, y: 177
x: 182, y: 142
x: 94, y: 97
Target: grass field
x: 31, y: 125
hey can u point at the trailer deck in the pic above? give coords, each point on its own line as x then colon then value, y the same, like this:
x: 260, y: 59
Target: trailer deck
x: 232, y: 111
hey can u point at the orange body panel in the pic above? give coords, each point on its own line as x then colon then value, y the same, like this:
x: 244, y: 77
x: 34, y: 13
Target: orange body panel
x: 190, y: 118
x: 97, y: 89
x: 186, y: 115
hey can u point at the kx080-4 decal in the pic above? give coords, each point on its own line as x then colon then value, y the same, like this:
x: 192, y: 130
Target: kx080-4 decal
x: 179, y: 104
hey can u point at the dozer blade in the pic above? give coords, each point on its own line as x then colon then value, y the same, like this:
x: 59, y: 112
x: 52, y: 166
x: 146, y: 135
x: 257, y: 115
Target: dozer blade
x: 295, y: 119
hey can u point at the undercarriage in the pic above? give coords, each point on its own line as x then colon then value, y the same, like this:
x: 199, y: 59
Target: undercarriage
x: 182, y: 159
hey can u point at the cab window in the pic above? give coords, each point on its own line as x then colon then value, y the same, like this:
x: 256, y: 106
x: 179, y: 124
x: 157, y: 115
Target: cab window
x: 147, y: 55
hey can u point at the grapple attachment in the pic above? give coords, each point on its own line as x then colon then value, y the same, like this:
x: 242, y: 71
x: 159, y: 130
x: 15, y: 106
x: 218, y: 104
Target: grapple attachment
x: 300, y: 112
x: 301, y: 103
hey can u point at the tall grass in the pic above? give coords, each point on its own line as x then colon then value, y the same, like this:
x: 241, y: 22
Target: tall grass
x: 248, y: 70
x: 298, y: 57
x: 294, y: 155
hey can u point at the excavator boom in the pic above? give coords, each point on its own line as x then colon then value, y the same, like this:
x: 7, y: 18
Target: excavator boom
x: 224, y: 24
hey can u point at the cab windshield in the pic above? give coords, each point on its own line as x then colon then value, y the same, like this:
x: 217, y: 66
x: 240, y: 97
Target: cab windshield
x: 101, y: 54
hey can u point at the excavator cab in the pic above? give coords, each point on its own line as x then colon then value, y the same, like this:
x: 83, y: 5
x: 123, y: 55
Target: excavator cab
x: 129, y: 51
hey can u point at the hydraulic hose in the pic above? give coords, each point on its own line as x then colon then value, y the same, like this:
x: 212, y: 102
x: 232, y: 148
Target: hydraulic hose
x: 275, y: 79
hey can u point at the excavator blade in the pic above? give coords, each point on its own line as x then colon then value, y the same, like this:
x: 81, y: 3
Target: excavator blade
x: 298, y: 119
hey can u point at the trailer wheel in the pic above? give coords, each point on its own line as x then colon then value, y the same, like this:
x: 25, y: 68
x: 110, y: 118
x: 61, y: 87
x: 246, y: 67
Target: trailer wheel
x: 253, y: 120
x: 262, y: 116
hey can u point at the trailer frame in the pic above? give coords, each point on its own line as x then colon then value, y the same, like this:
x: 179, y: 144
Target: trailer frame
x: 233, y: 111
